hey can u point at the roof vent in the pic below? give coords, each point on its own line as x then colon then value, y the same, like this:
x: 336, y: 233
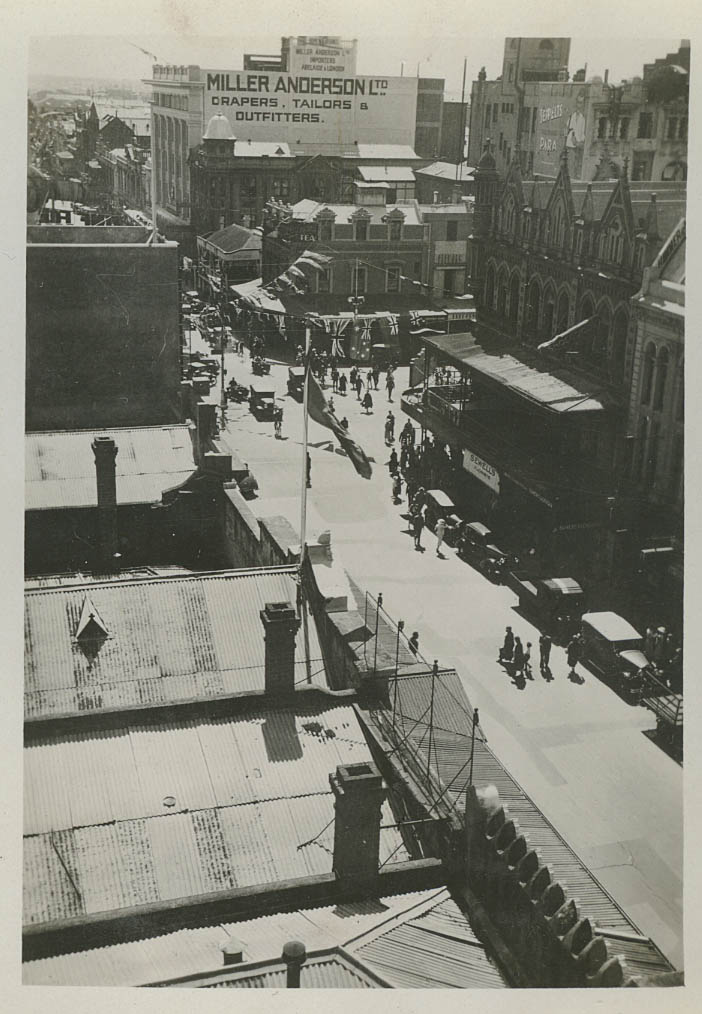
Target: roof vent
x: 90, y: 626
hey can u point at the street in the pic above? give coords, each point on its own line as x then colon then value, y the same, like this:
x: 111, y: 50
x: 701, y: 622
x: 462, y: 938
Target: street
x: 574, y: 745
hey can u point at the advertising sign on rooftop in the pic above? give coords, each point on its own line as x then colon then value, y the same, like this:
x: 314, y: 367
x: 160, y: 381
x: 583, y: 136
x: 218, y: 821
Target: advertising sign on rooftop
x: 313, y: 108
x: 561, y: 119
x: 321, y: 55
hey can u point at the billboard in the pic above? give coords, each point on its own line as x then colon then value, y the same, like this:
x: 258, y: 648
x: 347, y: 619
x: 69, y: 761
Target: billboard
x: 561, y: 120
x: 321, y: 55
x: 481, y: 470
x: 319, y: 109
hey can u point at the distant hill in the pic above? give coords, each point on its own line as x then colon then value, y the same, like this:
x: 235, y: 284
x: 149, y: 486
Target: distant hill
x: 86, y: 86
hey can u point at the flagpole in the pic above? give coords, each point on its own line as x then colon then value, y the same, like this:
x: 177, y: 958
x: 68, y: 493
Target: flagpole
x: 305, y: 421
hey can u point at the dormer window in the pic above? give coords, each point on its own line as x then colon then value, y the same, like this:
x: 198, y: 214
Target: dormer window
x: 361, y: 230
x: 394, y: 230
x: 325, y: 225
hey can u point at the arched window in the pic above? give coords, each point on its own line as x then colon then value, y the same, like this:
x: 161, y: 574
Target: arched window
x: 647, y: 379
x: 619, y: 334
x: 490, y: 287
x: 661, y: 378
x: 563, y: 313
x: 514, y: 298
x: 549, y: 313
x: 600, y: 341
x: 533, y: 306
x: 502, y: 285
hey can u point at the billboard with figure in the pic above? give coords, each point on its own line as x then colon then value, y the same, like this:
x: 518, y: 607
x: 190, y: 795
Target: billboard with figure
x: 313, y: 108
x: 561, y: 119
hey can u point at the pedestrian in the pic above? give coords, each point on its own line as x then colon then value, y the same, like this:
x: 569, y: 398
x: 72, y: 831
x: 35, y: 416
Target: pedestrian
x: 573, y: 652
x: 359, y: 386
x: 376, y: 376
x: 507, y: 649
x: 309, y: 471
x: 278, y: 422
x: 390, y: 426
x: 369, y: 380
x: 392, y: 463
x: 330, y: 405
x: 544, y: 651
x: 440, y: 533
x: 345, y: 423
x: 397, y: 488
x: 404, y: 458
x: 649, y: 643
x: 335, y: 379
x: 527, y: 661
x: 352, y: 376
x: 390, y: 384
x: 417, y: 526
x: 413, y: 642
x: 408, y: 434
x: 342, y: 384
x: 518, y: 656
x: 367, y: 400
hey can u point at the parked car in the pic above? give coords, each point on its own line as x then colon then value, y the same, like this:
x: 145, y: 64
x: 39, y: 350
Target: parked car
x: 558, y: 602
x: 296, y: 381
x: 614, y: 649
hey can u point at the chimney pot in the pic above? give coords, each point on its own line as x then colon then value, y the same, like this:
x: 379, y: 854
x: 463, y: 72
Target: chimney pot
x: 233, y: 951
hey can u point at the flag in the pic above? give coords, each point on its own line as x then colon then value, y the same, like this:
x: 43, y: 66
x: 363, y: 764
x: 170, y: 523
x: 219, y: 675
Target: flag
x: 394, y: 321
x: 319, y: 411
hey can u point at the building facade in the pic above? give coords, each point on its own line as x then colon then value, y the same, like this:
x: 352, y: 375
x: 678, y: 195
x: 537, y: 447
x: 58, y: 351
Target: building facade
x: 449, y: 230
x: 534, y: 108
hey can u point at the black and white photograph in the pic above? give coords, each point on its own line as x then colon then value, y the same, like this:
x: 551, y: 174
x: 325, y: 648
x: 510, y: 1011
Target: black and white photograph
x: 353, y: 585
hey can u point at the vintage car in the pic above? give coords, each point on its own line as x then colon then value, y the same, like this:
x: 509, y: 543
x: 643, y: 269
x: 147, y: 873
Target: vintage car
x: 262, y: 400
x: 614, y: 649
x: 556, y: 602
x: 296, y: 382
x: 438, y: 504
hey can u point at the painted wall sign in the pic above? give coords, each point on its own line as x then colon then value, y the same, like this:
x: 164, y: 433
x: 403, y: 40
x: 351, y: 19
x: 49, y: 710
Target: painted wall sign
x: 481, y: 470
x: 561, y: 121
x: 313, y: 108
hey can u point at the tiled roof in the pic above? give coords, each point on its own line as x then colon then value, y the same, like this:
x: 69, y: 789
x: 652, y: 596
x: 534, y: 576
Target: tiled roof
x: 60, y: 465
x: 452, y: 745
x: 169, y: 639
x: 150, y: 813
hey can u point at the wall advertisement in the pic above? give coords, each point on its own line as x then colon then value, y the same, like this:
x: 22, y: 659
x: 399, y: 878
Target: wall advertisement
x: 561, y: 119
x: 321, y: 55
x: 320, y: 109
x: 481, y: 470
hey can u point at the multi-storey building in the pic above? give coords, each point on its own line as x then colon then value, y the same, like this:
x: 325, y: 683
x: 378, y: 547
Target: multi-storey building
x: 534, y: 108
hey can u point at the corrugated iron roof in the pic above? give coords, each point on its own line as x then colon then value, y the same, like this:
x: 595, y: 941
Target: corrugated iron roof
x: 60, y: 466
x: 169, y: 810
x: 318, y: 972
x: 436, y: 950
x: 451, y: 745
x: 170, y: 638
x: 193, y: 951
x: 386, y: 173
x: 553, y: 388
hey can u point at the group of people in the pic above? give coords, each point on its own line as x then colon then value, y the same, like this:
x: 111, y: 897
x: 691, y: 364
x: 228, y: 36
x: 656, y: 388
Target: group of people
x: 516, y: 656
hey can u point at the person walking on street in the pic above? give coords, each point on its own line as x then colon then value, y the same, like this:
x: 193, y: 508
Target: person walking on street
x: 573, y: 652
x: 359, y: 386
x: 390, y: 426
x: 344, y: 422
x: 527, y: 661
x: 440, y: 533
x: 342, y: 384
x: 390, y: 385
x: 507, y: 649
x: 352, y: 376
x: 413, y: 642
x: 518, y: 657
x: 392, y: 463
x: 544, y: 651
x: 335, y: 379
x: 367, y: 401
x: 278, y: 422
x: 397, y: 488
x: 417, y: 526
x: 369, y: 380
x: 376, y: 376
x: 330, y: 404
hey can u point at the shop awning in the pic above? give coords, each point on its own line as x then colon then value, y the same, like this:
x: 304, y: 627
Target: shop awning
x: 556, y: 390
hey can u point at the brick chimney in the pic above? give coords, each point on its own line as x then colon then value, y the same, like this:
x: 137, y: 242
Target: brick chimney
x: 358, y: 798
x: 105, y: 451
x: 280, y: 624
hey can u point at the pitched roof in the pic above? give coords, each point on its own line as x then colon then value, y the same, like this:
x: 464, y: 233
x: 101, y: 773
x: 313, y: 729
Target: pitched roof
x: 60, y: 465
x: 306, y: 211
x: 387, y: 173
x: 169, y: 639
x: 447, y: 171
x: 235, y: 238
x: 147, y: 813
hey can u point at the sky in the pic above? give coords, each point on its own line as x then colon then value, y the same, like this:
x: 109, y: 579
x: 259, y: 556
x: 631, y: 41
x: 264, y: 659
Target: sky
x: 438, y: 55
